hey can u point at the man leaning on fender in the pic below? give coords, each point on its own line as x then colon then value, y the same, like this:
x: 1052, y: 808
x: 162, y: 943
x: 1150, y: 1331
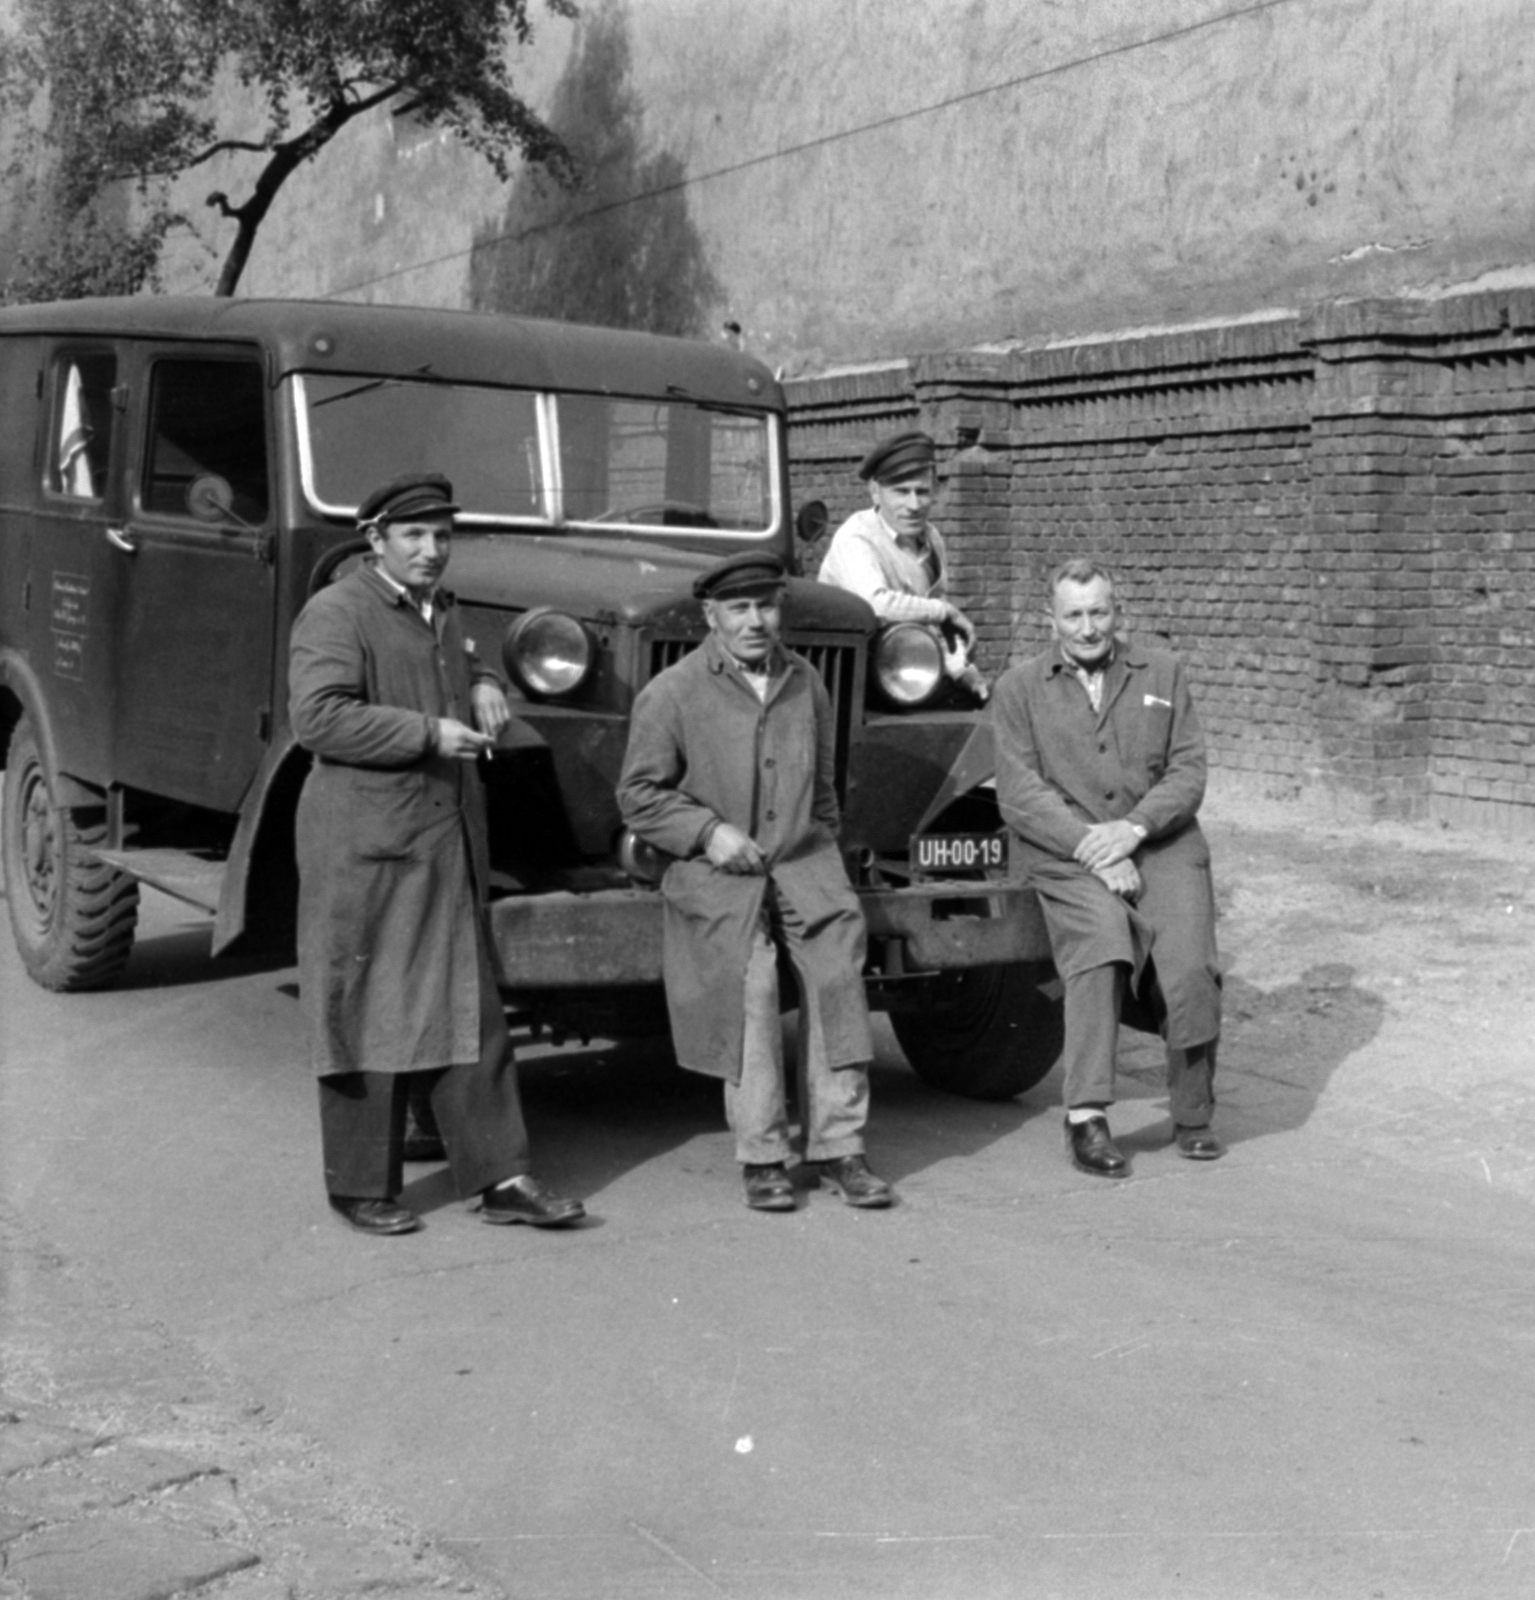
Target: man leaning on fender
x: 894, y: 557
x: 395, y: 965
x: 730, y: 770
x: 1100, y: 771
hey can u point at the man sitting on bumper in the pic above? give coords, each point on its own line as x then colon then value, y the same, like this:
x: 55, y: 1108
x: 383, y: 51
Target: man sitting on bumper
x: 730, y: 770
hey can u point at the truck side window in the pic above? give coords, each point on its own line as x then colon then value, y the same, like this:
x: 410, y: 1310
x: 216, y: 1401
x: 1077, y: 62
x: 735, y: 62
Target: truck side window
x: 206, y: 417
x: 82, y: 426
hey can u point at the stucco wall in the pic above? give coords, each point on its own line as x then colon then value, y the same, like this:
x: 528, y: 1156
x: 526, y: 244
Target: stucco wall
x: 972, y: 170
x: 880, y: 177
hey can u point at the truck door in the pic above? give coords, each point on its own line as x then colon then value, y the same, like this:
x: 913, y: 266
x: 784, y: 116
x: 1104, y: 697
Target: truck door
x: 196, y: 605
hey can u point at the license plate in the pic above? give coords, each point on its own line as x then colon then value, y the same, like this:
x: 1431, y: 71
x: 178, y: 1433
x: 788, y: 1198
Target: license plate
x: 950, y: 855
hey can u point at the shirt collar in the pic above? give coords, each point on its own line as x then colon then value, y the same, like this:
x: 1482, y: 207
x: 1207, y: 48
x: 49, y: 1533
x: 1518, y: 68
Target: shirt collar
x: 403, y: 595
x: 922, y: 542
x: 721, y: 659
x: 1064, y: 663
x: 1125, y: 651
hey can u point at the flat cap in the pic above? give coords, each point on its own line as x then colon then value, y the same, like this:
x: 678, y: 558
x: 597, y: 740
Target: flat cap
x: 417, y: 494
x: 898, y: 456
x: 746, y: 572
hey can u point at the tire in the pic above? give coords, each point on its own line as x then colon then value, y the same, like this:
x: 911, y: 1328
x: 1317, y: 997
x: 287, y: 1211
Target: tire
x: 987, y: 1033
x: 72, y: 917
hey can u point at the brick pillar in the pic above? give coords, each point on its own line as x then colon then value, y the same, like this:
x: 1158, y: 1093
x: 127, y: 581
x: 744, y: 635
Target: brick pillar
x: 963, y: 404
x: 1372, y: 542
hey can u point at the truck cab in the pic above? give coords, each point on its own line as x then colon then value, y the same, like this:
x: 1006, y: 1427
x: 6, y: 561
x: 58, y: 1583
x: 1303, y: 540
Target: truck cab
x: 178, y: 477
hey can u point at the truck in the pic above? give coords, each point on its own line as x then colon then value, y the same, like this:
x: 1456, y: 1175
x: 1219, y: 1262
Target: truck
x: 179, y: 475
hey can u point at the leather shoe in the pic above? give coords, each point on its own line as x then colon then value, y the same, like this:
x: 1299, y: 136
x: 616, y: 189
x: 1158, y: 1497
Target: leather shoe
x: 525, y: 1199
x: 850, y: 1177
x: 374, y: 1216
x: 768, y: 1187
x: 1200, y: 1144
x: 1093, y: 1151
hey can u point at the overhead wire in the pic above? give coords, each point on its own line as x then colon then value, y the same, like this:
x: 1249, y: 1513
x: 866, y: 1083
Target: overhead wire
x: 805, y: 146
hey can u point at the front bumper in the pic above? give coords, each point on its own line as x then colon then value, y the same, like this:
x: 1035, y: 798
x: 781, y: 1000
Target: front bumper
x: 612, y: 937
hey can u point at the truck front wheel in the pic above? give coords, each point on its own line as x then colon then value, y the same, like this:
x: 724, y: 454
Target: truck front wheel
x: 985, y: 1032
x: 73, y: 917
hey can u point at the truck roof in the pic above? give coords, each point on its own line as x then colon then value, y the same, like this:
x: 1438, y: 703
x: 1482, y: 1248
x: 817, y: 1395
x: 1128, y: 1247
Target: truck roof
x: 463, y: 346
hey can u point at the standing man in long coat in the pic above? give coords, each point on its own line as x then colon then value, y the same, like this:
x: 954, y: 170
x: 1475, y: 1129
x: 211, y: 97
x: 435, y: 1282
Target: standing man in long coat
x: 395, y: 963
x: 1100, y: 774
x: 730, y: 770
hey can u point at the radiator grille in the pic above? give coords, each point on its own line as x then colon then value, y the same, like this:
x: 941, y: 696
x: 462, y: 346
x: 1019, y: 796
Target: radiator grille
x: 837, y: 662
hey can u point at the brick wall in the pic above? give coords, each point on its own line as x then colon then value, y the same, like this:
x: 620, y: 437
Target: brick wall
x: 1332, y: 518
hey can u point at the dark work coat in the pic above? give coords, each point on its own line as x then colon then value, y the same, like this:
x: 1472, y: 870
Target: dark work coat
x: 1062, y: 767
x: 392, y: 852
x: 704, y: 749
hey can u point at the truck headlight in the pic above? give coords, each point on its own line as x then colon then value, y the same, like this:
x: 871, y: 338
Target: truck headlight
x: 908, y: 664
x: 548, y: 653
x: 641, y: 860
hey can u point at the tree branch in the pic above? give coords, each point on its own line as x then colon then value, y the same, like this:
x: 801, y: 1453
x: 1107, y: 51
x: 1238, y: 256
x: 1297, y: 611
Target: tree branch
x: 285, y: 158
x: 223, y: 147
x: 367, y: 102
x: 118, y: 92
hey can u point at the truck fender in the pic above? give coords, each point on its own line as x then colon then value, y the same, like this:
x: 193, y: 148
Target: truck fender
x: 263, y: 834
x: 22, y: 681
x: 975, y: 765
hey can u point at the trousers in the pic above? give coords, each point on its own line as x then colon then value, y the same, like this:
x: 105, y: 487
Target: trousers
x: 1094, y: 999
x: 833, y: 1102
x: 477, y: 1106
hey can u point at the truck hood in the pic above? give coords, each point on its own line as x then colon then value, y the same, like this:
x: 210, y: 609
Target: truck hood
x: 626, y: 580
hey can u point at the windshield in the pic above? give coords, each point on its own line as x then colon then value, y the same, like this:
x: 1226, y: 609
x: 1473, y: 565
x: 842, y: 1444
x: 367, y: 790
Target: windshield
x: 363, y: 432
x: 650, y: 462
x: 513, y: 455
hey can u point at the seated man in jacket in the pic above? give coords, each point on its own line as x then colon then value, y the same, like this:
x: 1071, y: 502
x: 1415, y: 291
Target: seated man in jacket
x: 893, y: 557
x: 730, y: 770
x: 1100, y: 773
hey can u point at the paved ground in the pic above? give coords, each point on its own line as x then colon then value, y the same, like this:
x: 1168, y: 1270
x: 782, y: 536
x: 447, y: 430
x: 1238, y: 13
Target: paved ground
x: 1301, y: 1371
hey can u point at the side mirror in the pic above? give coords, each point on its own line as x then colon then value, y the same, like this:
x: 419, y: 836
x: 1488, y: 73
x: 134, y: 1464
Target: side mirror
x: 211, y: 499
x: 810, y: 521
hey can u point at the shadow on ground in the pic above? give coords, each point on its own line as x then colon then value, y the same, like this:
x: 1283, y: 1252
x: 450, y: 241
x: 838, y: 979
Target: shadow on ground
x: 600, y: 1112
x: 183, y: 957
x: 1279, y: 1050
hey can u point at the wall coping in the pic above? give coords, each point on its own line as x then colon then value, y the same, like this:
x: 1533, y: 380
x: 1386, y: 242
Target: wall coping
x: 1485, y: 322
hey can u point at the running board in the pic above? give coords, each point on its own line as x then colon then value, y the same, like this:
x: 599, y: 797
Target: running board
x: 178, y: 873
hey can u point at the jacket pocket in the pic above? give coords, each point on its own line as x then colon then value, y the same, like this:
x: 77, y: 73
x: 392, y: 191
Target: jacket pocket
x: 388, y: 815
x: 1153, y: 735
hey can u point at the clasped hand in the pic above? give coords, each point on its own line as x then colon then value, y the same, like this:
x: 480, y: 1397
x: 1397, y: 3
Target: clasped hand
x: 1122, y: 878
x: 733, y: 851
x: 1106, y: 843
x: 1105, y: 850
